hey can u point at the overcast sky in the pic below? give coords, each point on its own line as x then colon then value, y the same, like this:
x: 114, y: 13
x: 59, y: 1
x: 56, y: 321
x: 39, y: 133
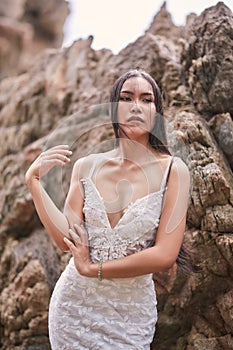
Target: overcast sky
x: 116, y: 23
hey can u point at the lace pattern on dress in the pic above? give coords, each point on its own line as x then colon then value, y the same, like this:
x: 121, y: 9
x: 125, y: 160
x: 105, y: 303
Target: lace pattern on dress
x: 114, y: 314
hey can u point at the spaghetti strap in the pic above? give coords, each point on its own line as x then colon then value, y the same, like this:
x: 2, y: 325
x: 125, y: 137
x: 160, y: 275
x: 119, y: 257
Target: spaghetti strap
x: 166, y: 175
x: 93, y: 167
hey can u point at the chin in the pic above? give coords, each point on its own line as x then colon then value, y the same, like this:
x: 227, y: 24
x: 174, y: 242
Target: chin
x: 134, y: 132
x: 136, y: 127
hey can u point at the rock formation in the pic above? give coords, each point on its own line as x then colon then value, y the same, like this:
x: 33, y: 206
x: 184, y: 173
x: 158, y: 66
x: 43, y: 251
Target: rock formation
x: 26, y: 28
x: 62, y: 98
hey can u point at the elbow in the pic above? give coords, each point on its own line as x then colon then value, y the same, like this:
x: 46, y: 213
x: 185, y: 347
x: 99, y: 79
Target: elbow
x: 58, y: 240
x: 167, y: 263
x: 165, y: 258
x: 62, y: 247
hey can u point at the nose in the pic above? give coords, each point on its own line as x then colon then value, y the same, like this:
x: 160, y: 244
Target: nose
x: 135, y: 108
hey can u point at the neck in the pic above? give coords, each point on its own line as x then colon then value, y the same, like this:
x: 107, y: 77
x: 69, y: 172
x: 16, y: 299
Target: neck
x: 134, y: 151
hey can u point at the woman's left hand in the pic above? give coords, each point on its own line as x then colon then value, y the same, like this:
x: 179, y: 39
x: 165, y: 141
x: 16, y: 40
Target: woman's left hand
x: 80, y: 249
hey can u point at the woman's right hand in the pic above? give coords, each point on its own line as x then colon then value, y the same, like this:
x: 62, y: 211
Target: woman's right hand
x: 58, y: 155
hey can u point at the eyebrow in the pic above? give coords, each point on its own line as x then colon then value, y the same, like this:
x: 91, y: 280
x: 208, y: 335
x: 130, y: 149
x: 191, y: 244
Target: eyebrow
x: 132, y: 93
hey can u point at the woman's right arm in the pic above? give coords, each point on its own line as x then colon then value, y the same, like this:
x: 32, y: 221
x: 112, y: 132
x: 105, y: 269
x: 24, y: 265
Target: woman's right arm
x: 55, y: 222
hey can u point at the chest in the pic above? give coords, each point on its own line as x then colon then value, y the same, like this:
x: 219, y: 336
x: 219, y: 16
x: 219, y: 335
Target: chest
x: 120, y: 188
x: 143, y: 213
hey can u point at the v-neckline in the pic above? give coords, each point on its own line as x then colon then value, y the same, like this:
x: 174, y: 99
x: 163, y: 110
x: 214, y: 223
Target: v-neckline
x: 132, y: 204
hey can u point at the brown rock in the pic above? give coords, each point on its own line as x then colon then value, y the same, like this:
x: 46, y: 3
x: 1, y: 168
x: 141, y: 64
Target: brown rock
x: 176, y: 93
x: 26, y: 29
x: 162, y: 24
x: 32, y: 268
x: 222, y: 127
x: 207, y: 60
x: 225, y: 306
x: 211, y: 198
x: 30, y: 296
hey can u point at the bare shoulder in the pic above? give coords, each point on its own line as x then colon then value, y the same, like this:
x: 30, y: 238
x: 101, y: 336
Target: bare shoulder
x: 177, y: 162
x: 179, y: 170
x: 82, y: 166
x: 179, y: 165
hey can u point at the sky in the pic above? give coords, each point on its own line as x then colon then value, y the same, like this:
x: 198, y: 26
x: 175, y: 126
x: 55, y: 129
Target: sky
x: 116, y: 23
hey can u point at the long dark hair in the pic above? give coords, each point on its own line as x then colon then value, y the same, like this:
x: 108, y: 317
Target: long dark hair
x: 157, y: 139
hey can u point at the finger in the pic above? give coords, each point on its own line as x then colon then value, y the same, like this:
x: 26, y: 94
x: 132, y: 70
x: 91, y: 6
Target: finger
x: 49, y: 164
x: 62, y: 157
x: 70, y: 245
x: 74, y: 237
x: 63, y: 147
x: 52, y: 160
x: 82, y: 232
x: 58, y: 150
x: 61, y: 153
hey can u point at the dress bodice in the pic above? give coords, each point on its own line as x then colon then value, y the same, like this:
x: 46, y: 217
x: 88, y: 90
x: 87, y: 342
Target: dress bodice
x: 135, y: 231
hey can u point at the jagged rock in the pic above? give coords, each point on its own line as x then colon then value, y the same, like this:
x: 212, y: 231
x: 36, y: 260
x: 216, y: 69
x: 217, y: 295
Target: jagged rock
x: 162, y: 24
x: 27, y: 27
x: 63, y: 98
x: 32, y: 267
x: 46, y: 18
x: 207, y: 59
x: 211, y: 180
x: 17, y: 209
x: 222, y: 127
x: 151, y: 53
x: 179, y: 310
x: 173, y: 82
x: 14, y: 37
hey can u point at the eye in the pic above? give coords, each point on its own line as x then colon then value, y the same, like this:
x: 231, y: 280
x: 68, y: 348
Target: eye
x: 147, y: 100
x: 125, y: 98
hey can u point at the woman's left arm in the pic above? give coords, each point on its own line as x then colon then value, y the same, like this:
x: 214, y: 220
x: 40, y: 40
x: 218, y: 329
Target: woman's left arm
x: 169, y: 236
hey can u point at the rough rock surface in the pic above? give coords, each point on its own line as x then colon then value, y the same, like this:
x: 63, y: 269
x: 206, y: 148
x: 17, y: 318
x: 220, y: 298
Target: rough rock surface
x: 207, y: 60
x: 26, y: 28
x: 62, y: 98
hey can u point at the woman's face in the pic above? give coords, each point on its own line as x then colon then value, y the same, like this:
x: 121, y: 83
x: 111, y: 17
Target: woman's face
x: 136, y: 107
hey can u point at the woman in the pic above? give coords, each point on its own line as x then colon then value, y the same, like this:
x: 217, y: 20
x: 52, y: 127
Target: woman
x: 124, y: 219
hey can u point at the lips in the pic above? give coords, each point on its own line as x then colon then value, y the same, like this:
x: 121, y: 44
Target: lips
x: 135, y: 118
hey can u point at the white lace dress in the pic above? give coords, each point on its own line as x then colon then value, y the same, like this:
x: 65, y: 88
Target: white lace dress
x: 111, y: 314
